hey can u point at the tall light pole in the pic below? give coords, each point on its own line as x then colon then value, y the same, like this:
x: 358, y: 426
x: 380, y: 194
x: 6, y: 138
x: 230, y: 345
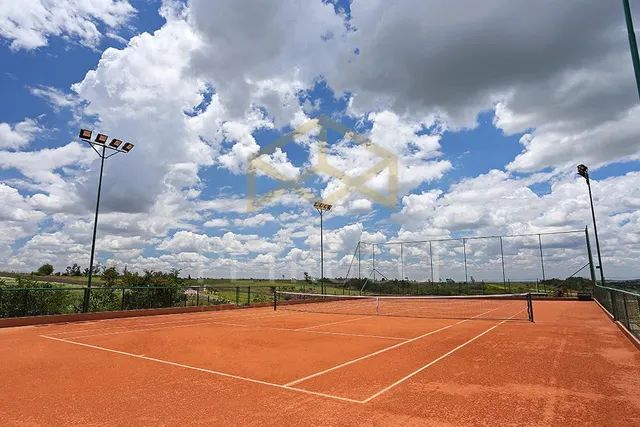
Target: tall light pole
x: 117, y: 146
x: 321, y: 208
x: 633, y: 46
x: 583, y: 171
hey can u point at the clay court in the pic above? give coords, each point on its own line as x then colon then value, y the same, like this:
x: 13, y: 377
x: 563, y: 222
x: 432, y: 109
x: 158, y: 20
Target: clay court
x: 260, y: 366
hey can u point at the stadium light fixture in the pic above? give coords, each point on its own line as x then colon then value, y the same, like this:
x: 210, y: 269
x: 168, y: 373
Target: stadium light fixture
x: 101, y: 138
x: 85, y: 134
x: 322, y: 208
x: 583, y: 171
x: 100, y: 142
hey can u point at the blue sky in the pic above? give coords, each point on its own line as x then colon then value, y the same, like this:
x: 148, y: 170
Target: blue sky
x: 487, y: 122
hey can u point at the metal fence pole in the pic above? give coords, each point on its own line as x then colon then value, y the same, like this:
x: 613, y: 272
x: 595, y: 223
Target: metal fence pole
x: 431, y: 260
x: 613, y: 306
x: 464, y: 250
x: 248, y: 295
x: 237, y: 295
x: 401, y: 261
x: 626, y: 311
x: 504, y: 277
x: 541, y: 256
x: 373, y: 260
x: 359, y: 258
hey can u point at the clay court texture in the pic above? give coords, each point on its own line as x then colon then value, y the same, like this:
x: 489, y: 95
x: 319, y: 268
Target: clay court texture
x: 260, y: 366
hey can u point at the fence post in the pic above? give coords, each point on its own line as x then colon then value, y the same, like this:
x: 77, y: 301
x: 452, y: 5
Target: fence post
x: 248, y: 295
x: 401, y: 261
x: 198, y: 297
x: 541, y: 256
x: 464, y: 251
x: 626, y: 312
x: 237, y: 295
x: 431, y: 260
x: 504, y: 277
x: 613, y: 306
x: 122, y: 300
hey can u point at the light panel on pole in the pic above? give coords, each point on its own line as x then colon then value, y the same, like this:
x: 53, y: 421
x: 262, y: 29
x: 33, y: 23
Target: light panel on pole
x: 101, y: 138
x: 322, y: 206
x: 85, y: 134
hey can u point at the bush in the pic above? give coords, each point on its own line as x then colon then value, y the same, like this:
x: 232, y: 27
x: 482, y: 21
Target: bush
x: 31, y: 298
x: 45, y: 270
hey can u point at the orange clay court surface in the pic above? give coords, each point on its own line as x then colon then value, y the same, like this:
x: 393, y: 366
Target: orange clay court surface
x: 257, y: 366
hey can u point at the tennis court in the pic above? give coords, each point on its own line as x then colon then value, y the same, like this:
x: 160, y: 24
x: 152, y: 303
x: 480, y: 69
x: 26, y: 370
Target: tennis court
x: 329, y: 361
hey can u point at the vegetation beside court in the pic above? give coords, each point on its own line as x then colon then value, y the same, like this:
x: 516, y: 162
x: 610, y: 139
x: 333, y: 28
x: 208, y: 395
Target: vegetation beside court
x: 40, y: 294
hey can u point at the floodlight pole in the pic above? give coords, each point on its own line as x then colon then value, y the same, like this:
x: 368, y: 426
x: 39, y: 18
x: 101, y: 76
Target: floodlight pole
x: 321, y: 255
x: 321, y: 208
x: 583, y: 171
x: 633, y: 46
x: 85, y: 306
x: 100, y: 142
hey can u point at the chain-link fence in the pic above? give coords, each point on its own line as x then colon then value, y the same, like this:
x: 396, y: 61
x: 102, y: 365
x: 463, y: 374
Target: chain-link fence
x: 506, y: 262
x: 623, y: 305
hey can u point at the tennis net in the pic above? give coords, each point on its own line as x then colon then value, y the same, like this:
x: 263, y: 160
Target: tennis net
x: 504, y: 306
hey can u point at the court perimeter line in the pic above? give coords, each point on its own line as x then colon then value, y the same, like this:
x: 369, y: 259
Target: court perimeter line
x: 417, y: 371
x: 174, y: 321
x: 375, y: 353
x: 248, y: 327
x: 333, y: 323
x: 209, y: 371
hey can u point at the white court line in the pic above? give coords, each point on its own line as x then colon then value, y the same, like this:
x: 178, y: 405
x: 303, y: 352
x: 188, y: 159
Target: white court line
x: 333, y: 323
x: 209, y: 371
x: 249, y: 327
x: 158, y: 329
x: 349, y: 335
x: 366, y: 356
x: 175, y: 321
x: 417, y: 371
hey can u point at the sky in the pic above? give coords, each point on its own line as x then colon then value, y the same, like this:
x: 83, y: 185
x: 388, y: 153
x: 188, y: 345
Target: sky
x: 481, y: 111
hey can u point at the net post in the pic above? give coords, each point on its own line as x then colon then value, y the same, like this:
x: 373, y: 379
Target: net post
x: 530, y: 307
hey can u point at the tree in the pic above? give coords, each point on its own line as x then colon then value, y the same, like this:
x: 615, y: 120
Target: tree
x: 110, y: 276
x: 307, y: 278
x: 45, y: 269
x: 74, y: 270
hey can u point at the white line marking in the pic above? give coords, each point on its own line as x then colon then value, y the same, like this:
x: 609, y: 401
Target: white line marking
x: 209, y: 371
x: 417, y: 371
x: 248, y: 327
x: 158, y: 328
x: 333, y: 323
x: 350, y: 335
x: 175, y: 321
x: 366, y: 356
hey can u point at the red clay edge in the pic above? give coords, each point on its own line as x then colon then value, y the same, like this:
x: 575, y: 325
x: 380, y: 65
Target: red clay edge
x: 635, y: 341
x: 78, y: 317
